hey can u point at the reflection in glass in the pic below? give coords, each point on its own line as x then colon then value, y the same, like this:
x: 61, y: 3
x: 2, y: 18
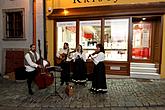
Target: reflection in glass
x: 141, y: 40
x: 66, y: 32
x: 116, y: 39
x: 90, y: 35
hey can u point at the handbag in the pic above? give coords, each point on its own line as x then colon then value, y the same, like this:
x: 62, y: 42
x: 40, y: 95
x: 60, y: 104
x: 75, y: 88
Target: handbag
x: 69, y: 90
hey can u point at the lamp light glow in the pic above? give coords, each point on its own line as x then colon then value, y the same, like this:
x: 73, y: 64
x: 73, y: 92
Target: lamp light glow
x: 66, y: 12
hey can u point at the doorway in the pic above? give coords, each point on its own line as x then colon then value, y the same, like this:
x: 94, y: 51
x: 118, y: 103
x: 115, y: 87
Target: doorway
x: 146, y: 39
x: 146, y: 47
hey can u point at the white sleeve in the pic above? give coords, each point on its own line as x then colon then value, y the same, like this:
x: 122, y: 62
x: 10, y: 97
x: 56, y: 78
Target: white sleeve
x: 38, y: 56
x: 45, y: 63
x: 74, y: 56
x: 99, y: 58
x: 58, y: 54
x: 84, y: 57
x: 30, y: 62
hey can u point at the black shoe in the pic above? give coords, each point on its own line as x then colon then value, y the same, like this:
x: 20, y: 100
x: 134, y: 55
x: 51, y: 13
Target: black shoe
x: 67, y: 83
x: 91, y: 90
x: 102, y: 92
x: 31, y: 92
x: 62, y: 83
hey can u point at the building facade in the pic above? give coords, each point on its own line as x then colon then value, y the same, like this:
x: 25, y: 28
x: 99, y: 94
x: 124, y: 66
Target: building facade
x: 21, y: 24
x: 131, y: 32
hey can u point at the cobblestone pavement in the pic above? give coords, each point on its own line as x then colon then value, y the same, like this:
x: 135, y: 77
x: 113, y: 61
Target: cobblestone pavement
x: 123, y: 94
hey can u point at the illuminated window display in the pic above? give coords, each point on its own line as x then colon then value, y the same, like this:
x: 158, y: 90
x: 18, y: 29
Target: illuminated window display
x: 141, y: 40
x: 116, y: 39
x: 129, y: 34
x: 90, y: 35
x: 66, y: 32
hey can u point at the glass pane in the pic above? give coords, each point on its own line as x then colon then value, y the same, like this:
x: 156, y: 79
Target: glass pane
x: 18, y: 24
x: 66, y: 32
x: 90, y: 35
x: 10, y: 24
x: 141, y: 40
x: 116, y: 39
x: 14, y: 26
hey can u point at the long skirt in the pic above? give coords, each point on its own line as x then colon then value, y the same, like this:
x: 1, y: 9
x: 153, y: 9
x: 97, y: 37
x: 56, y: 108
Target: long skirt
x: 99, y: 78
x: 79, y: 73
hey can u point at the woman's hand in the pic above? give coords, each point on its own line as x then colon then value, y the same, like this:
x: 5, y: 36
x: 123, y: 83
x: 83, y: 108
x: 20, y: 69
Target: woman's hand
x: 89, y: 60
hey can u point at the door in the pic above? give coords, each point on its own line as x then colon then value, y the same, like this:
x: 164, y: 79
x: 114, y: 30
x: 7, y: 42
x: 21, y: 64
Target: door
x: 146, y: 39
x: 141, y: 41
x: 14, y: 59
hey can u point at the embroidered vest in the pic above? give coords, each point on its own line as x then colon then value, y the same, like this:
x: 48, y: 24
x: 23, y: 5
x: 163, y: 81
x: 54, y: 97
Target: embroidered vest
x: 33, y: 58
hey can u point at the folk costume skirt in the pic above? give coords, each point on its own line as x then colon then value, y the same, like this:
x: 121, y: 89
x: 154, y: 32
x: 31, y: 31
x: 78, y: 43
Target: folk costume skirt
x: 99, y: 78
x: 79, y: 73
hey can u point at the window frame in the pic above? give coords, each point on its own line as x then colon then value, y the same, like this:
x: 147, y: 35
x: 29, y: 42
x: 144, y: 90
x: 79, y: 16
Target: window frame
x: 57, y: 37
x: 100, y: 31
x: 128, y: 37
x: 7, y: 37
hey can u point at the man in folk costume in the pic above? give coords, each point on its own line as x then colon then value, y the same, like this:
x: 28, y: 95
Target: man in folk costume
x: 31, y: 58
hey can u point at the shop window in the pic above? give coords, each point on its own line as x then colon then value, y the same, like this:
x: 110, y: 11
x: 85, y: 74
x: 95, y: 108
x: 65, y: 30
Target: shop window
x: 13, y: 24
x: 66, y: 32
x: 116, y: 39
x: 90, y: 35
x: 141, y: 40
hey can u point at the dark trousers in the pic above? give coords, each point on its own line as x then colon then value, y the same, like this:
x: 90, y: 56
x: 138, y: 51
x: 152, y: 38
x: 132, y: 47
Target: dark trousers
x: 30, y: 78
x: 65, y: 74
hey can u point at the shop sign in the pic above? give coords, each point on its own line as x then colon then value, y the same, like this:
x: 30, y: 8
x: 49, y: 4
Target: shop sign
x: 90, y: 1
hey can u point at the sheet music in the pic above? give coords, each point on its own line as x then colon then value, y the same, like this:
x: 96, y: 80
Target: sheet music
x: 54, y: 68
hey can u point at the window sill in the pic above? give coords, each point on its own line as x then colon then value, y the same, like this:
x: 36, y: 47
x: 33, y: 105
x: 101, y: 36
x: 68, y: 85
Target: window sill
x: 14, y: 39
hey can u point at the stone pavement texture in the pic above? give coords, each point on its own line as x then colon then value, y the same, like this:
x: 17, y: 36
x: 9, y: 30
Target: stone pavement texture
x: 123, y: 94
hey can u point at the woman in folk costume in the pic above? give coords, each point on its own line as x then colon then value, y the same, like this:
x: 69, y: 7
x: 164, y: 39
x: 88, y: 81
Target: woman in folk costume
x: 79, y: 59
x: 99, y: 78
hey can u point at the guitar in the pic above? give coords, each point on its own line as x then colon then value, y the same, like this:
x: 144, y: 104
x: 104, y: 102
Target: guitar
x: 63, y: 57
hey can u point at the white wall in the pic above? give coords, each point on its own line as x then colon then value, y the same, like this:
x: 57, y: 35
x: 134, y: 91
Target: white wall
x: 39, y: 26
x: 12, y: 4
x: 0, y: 37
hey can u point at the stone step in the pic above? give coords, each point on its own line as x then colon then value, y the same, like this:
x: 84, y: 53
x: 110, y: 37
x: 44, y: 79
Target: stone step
x: 146, y: 65
x: 144, y: 75
x: 117, y: 76
x: 143, y: 69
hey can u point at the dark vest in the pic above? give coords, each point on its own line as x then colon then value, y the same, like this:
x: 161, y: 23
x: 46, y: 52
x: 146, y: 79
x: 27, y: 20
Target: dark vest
x: 33, y: 58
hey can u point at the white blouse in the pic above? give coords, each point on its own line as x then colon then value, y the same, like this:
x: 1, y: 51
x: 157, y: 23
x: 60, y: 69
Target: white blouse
x: 98, y: 58
x: 76, y: 54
